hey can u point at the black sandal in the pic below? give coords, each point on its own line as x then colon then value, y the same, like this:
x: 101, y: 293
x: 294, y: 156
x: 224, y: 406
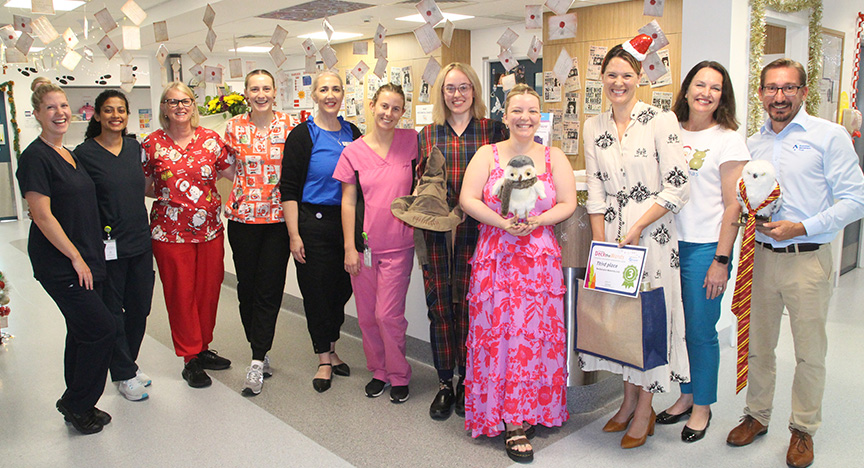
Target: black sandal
x: 322, y: 385
x: 341, y: 369
x: 514, y: 438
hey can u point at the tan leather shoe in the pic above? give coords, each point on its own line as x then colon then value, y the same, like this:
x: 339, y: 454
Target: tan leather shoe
x: 746, y: 432
x: 615, y: 426
x: 800, y: 454
x: 628, y: 442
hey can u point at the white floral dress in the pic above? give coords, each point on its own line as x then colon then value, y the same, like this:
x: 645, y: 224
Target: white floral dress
x: 626, y: 176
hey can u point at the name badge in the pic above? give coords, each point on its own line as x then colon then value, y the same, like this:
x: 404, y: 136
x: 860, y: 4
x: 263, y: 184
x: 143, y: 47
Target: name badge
x: 110, y: 249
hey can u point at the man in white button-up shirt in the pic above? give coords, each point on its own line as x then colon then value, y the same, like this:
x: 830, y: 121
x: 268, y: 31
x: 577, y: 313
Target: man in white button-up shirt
x: 823, y: 191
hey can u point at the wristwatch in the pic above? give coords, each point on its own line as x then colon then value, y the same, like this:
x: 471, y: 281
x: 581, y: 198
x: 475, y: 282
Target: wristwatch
x: 722, y: 259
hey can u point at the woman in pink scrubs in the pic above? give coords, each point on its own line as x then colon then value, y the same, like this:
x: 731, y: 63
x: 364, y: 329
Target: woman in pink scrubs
x: 374, y: 171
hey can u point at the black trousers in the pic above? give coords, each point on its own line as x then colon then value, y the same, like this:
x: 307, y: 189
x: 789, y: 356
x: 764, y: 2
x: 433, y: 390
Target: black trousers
x: 261, y: 255
x: 90, y: 335
x: 323, y: 281
x: 128, y: 294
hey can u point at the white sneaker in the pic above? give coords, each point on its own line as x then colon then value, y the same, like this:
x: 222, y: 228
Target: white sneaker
x: 132, y: 389
x: 254, y: 380
x: 143, y: 378
x: 266, y: 370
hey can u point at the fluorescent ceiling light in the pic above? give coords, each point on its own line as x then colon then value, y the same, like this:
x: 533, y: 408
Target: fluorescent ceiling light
x: 337, y: 36
x: 59, y: 5
x: 447, y: 16
x: 252, y: 49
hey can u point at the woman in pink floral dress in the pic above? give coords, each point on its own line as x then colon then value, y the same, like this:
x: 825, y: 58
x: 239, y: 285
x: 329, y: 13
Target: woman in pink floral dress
x: 516, y: 339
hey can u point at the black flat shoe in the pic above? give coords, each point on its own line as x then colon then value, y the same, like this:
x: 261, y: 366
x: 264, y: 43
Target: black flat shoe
x: 341, y: 370
x: 442, y: 405
x: 101, y: 416
x: 209, y: 359
x: 692, y: 435
x: 86, y: 423
x: 322, y: 385
x: 666, y: 418
x: 194, y: 374
x: 459, y: 406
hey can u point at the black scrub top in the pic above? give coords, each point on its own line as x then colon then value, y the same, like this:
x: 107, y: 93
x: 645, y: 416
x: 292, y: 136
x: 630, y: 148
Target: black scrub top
x: 120, y: 193
x: 73, y: 203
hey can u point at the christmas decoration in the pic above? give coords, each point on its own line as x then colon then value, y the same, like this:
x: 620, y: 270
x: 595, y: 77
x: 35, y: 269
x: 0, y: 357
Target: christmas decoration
x: 13, y: 118
x: 4, y: 309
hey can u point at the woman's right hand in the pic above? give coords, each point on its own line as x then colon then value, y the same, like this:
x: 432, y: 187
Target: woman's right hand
x: 517, y: 229
x: 297, y: 250
x: 352, y: 262
x: 85, y: 277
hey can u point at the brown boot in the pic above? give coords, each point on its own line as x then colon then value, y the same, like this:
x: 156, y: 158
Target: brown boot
x: 746, y: 432
x: 800, y: 454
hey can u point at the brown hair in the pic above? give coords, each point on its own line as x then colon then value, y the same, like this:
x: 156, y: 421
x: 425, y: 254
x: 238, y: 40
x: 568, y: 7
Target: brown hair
x: 259, y: 71
x: 41, y: 91
x: 440, y: 111
x: 725, y: 112
x: 784, y: 63
x: 619, y: 52
x: 390, y: 88
x: 520, y: 89
x: 179, y: 86
x: 38, y: 81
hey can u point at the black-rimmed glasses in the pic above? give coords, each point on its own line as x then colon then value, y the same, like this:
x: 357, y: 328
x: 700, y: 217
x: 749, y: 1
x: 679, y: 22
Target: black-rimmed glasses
x: 789, y: 89
x: 173, y: 103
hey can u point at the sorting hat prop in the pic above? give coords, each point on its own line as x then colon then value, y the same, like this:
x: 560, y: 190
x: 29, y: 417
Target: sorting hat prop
x: 428, y: 209
x: 638, y: 46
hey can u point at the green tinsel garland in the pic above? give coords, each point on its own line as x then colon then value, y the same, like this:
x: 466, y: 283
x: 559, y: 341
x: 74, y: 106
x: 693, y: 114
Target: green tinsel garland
x: 757, y: 46
x: 16, y: 131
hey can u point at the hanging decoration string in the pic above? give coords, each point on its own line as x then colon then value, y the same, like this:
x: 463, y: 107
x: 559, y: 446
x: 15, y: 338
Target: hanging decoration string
x: 757, y: 47
x: 13, y: 118
x: 856, y: 64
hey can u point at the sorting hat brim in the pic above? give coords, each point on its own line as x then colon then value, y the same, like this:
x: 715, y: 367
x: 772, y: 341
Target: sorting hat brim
x: 413, y: 218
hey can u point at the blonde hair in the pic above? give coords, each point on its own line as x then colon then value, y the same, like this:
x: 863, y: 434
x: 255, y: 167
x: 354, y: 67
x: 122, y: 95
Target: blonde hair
x: 326, y: 73
x: 40, y: 91
x: 519, y: 89
x: 179, y: 86
x: 440, y: 111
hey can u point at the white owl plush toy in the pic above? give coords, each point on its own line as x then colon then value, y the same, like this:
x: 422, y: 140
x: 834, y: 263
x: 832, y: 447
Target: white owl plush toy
x: 519, y: 189
x: 758, y: 179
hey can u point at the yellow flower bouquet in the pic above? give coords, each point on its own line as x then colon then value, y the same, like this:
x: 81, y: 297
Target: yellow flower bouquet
x: 234, y: 103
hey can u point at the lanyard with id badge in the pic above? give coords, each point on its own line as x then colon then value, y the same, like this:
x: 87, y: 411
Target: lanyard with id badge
x: 110, y: 245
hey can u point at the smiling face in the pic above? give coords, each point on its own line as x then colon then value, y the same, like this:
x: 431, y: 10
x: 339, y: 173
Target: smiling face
x: 620, y: 81
x: 54, y: 114
x: 522, y: 115
x: 113, y: 116
x: 782, y: 108
x: 328, y: 94
x: 260, y: 93
x: 179, y: 114
x: 703, y: 94
x: 387, y: 110
x: 458, y: 92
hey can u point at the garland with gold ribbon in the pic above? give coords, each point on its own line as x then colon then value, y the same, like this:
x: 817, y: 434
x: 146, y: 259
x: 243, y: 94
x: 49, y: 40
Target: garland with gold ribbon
x: 13, y: 118
x: 757, y: 47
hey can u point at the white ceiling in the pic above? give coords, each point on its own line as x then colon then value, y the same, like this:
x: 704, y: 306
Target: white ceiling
x: 238, y: 18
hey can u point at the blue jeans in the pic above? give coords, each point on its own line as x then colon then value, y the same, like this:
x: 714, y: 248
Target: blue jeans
x: 700, y: 320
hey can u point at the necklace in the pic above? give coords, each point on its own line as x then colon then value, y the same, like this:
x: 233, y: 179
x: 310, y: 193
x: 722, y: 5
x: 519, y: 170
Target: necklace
x: 58, y: 148
x: 337, y: 140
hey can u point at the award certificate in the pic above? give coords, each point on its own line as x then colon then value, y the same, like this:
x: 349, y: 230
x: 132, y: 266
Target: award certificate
x: 616, y: 270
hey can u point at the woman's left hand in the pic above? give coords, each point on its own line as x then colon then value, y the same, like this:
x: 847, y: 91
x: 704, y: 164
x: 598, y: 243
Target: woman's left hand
x: 715, y: 280
x: 519, y: 229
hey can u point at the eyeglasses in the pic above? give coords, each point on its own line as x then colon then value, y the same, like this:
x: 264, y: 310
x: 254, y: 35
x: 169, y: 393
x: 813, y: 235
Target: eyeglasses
x: 789, y: 89
x: 463, y: 89
x: 173, y: 103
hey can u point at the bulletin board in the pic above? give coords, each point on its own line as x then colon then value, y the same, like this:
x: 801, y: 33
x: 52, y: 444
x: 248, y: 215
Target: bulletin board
x: 606, y: 26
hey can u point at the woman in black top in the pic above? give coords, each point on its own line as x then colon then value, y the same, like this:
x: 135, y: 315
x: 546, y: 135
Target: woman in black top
x: 114, y: 164
x: 67, y: 256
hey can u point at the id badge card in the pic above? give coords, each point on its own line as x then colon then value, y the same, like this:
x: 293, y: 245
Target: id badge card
x: 110, y: 249
x: 367, y: 257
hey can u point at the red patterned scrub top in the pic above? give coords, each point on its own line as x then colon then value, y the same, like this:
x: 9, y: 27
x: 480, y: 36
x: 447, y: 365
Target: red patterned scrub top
x: 187, y: 205
x: 255, y: 197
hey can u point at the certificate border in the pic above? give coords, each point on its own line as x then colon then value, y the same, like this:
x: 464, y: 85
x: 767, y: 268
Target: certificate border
x: 625, y: 247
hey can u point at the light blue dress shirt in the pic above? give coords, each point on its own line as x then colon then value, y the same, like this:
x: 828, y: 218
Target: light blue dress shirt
x: 820, y: 179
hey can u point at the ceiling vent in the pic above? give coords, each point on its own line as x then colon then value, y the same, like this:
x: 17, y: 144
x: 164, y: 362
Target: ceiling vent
x: 314, y: 10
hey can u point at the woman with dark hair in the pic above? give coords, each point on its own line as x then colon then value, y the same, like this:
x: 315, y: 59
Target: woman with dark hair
x: 67, y: 257
x: 311, y: 201
x: 256, y: 227
x: 636, y: 183
x: 459, y: 128
x: 716, y: 154
x: 374, y: 171
x: 114, y: 163
x: 182, y: 161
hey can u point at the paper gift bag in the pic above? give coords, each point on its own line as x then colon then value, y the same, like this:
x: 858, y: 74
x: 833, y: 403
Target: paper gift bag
x: 629, y: 331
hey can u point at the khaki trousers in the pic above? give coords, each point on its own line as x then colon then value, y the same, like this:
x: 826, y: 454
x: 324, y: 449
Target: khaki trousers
x: 802, y: 283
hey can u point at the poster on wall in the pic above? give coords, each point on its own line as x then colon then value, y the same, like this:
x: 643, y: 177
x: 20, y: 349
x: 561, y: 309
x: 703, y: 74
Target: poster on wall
x: 557, y: 124
x: 661, y: 99
x: 301, y: 97
x: 595, y: 61
x: 570, y: 143
x: 409, y: 104
x: 145, y: 119
x: 407, y: 82
x: 593, y: 97
x: 666, y: 78
x: 551, y: 87
x: 424, y: 93
x: 572, y: 84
